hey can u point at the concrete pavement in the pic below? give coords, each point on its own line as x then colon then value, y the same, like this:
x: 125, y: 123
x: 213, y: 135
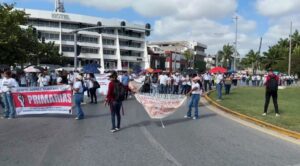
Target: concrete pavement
x: 211, y: 140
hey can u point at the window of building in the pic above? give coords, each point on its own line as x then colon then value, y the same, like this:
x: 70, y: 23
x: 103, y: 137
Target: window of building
x: 130, y: 43
x: 43, y: 23
x: 66, y: 48
x: 108, y: 42
x: 130, y: 53
x: 50, y: 36
x: 130, y: 33
x: 108, y: 31
x: 89, y: 50
x: 109, y: 52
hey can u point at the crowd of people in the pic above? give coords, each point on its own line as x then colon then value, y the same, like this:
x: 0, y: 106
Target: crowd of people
x: 193, y: 85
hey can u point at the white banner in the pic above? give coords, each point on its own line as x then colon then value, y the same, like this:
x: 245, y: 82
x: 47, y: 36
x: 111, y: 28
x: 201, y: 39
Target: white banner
x: 103, y: 81
x: 159, y: 106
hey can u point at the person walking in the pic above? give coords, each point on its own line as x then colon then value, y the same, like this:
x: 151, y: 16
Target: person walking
x: 78, y: 96
x: 271, y: 84
x: 93, y: 85
x: 195, y: 91
x: 219, y: 84
x: 114, y: 98
x: 7, y: 83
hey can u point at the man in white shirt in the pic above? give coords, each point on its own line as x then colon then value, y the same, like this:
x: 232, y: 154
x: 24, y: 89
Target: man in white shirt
x: 78, y: 96
x: 6, y: 85
x: 176, y: 83
x: 195, y: 91
x: 207, y: 78
x: 163, y: 79
x: 219, y: 85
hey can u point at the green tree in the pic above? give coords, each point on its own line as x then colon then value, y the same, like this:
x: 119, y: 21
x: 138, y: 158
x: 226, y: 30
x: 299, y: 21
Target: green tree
x: 253, y: 60
x: 225, y: 55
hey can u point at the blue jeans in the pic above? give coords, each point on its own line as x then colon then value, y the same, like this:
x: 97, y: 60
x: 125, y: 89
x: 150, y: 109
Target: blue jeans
x: 115, y: 109
x: 9, y: 109
x: 163, y: 88
x: 219, y: 90
x: 78, y: 99
x: 194, y: 103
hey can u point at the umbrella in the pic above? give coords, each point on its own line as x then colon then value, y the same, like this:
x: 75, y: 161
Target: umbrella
x: 150, y: 70
x: 33, y: 69
x: 157, y: 71
x: 91, y: 68
x: 218, y: 69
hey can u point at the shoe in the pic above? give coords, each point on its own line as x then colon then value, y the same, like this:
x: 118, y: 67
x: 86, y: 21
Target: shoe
x: 188, y: 117
x: 264, y: 114
x: 117, y: 129
x: 195, y: 118
x: 10, y: 118
x: 77, y: 118
x: 277, y: 115
x: 3, y: 117
x: 91, y: 102
x: 219, y: 100
x: 113, y: 130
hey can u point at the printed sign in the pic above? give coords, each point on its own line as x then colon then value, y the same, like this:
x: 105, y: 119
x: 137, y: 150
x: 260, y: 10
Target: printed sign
x: 103, y: 81
x: 43, y: 100
x: 159, y: 106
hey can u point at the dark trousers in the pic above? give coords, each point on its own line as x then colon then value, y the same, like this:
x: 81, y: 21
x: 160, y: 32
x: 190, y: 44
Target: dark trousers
x: 93, y: 95
x: 227, y: 89
x: 175, y: 89
x: 267, y: 100
x: 206, y: 85
x: 115, y: 109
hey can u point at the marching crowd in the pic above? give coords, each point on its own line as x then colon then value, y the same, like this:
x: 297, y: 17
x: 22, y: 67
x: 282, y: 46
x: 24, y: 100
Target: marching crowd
x: 193, y: 85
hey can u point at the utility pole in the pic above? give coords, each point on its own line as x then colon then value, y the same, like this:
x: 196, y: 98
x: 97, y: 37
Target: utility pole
x: 290, y: 50
x: 235, y: 52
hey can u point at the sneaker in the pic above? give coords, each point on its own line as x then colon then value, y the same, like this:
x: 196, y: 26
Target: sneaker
x: 3, y: 117
x: 264, y: 114
x: 219, y: 100
x: 117, y: 129
x: 10, y: 118
x: 187, y: 117
x: 277, y: 115
x: 77, y: 118
x: 113, y: 130
x: 195, y: 118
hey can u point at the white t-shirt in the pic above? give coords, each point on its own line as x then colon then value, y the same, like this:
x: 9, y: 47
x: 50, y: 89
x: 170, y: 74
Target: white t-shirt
x: 78, y: 84
x: 183, y: 80
x: 196, y: 85
x: 219, y: 78
x: 176, y: 80
x: 163, y: 79
x: 7, y: 84
x: 207, y: 77
x: 23, y: 80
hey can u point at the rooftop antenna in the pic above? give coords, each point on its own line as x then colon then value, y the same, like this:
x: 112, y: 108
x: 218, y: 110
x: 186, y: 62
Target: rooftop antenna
x: 59, y: 6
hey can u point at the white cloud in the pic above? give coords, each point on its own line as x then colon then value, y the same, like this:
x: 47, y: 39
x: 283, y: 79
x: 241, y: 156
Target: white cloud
x: 274, y: 8
x: 191, y: 9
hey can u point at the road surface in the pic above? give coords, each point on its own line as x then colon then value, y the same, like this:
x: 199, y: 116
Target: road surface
x: 210, y: 141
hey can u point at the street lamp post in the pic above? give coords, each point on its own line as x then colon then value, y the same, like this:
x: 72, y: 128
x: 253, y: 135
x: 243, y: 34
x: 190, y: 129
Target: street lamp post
x: 235, y: 52
x: 290, y: 50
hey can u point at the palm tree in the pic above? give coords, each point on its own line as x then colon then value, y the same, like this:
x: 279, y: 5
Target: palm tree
x: 225, y: 55
x: 253, y: 59
x: 273, y: 56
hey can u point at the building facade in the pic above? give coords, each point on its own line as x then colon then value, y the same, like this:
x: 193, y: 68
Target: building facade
x: 114, y: 47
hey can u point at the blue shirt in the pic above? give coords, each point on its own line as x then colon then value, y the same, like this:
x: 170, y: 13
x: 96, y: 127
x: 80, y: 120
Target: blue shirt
x: 125, y: 80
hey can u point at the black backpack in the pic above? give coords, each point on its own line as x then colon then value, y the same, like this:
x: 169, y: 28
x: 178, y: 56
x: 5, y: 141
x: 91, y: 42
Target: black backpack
x: 119, y: 91
x: 272, y: 85
x: 96, y: 84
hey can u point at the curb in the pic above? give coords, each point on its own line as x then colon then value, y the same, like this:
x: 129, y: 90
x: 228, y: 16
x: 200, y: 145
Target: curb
x: 277, y: 129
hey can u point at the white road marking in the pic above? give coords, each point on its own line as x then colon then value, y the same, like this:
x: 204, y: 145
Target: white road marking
x: 158, y: 146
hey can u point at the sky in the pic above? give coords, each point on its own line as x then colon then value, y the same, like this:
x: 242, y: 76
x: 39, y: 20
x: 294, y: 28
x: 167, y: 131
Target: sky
x: 207, y: 21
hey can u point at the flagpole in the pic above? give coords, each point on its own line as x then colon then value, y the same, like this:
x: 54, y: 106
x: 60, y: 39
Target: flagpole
x: 290, y: 50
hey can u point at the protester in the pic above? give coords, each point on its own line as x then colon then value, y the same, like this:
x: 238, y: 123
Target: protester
x: 23, y: 81
x: 125, y: 82
x: 219, y: 84
x: 227, y: 83
x: 176, y: 80
x: 114, y: 98
x: 78, y: 96
x: 271, y: 84
x: 7, y: 83
x: 154, y: 83
x: 195, y: 91
x: 92, y: 85
x: 163, y: 78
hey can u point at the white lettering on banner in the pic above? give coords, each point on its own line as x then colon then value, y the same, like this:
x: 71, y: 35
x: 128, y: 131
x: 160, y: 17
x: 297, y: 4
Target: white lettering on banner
x: 160, y: 106
x: 43, y: 100
x: 48, y: 99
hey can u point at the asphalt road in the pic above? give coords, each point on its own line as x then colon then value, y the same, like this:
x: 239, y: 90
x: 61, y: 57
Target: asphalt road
x: 210, y: 141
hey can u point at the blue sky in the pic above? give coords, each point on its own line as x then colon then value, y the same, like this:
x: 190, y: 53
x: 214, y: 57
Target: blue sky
x: 207, y: 21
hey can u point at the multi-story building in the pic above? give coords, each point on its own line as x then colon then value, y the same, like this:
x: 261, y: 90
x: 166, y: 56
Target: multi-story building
x: 114, y: 47
x: 210, y: 61
x: 174, y: 50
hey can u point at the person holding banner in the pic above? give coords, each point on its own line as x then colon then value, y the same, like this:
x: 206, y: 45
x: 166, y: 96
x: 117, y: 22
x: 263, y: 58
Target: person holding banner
x: 196, y: 92
x: 78, y: 96
x: 7, y: 83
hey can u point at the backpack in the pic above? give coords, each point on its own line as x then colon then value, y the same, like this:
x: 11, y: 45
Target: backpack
x: 119, y: 91
x: 96, y: 84
x: 273, y: 84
